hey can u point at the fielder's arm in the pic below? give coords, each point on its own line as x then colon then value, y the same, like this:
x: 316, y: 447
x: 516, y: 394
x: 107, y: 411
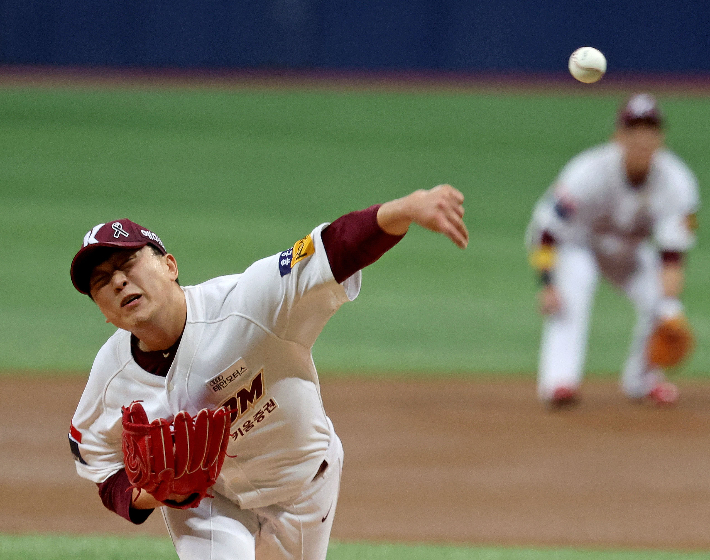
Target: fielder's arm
x: 672, y: 276
x: 542, y: 259
x: 672, y: 282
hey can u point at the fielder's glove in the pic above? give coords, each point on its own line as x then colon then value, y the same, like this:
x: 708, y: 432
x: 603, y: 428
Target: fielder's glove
x: 183, y: 457
x: 671, y: 342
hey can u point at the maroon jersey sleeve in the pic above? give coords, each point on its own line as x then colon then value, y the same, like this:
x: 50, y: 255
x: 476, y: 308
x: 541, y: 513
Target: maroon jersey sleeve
x: 116, y: 493
x: 355, y: 241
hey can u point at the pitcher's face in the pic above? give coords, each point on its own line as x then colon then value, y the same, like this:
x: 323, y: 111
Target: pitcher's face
x: 131, y: 287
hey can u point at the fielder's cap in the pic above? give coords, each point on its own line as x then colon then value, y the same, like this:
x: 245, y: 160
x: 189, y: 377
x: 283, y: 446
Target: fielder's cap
x: 119, y: 234
x: 641, y: 108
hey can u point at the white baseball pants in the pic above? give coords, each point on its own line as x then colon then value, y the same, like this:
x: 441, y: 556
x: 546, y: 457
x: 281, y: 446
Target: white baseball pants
x: 295, y: 530
x: 564, y: 337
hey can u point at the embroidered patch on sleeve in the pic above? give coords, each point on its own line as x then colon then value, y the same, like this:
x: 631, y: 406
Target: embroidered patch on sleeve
x: 302, y: 249
x: 564, y: 204
x: 564, y: 208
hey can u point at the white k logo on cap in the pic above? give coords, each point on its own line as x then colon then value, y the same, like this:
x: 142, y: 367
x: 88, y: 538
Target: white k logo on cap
x: 90, y: 237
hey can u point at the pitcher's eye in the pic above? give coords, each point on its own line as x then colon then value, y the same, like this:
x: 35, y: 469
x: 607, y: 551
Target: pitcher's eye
x: 98, y: 281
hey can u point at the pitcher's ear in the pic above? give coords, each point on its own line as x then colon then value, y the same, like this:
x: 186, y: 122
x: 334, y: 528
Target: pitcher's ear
x: 172, y: 265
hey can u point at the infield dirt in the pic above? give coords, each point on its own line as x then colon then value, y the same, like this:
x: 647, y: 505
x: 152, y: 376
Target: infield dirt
x: 447, y: 460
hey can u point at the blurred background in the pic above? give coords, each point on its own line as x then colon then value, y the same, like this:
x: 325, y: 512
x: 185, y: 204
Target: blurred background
x: 445, y: 35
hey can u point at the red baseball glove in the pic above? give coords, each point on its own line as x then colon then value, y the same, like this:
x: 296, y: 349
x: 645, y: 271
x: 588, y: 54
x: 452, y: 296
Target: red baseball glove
x: 183, y: 457
x: 671, y: 342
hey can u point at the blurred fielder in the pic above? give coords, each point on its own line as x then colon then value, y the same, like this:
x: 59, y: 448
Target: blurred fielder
x: 624, y: 210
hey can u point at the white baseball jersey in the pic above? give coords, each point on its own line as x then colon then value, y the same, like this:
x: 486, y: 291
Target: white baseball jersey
x: 592, y: 205
x: 246, y: 343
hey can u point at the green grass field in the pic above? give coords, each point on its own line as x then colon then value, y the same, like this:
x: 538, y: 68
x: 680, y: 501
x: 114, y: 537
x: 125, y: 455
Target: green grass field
x: 44, y: 547
x: 226, y: 177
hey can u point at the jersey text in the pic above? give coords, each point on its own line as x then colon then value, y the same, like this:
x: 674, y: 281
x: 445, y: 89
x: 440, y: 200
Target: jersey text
x: 246, y: 397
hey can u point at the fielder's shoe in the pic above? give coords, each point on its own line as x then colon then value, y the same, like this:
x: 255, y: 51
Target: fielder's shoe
x: 663, y: 394
x: 563, y: 397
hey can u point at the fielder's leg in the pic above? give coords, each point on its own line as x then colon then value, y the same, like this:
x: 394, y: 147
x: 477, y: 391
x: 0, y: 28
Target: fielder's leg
x: 564, y: 337
x: 645, y: 291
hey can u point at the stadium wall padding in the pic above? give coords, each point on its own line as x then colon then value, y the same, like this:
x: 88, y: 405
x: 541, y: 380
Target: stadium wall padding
x: 417, y: 35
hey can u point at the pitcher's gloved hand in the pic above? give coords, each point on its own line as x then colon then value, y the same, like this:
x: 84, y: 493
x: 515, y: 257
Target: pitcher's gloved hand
x: 181, y: 457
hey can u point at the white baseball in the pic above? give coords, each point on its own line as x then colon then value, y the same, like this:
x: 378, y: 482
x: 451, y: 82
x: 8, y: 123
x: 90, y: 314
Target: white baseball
x: 587, y: 64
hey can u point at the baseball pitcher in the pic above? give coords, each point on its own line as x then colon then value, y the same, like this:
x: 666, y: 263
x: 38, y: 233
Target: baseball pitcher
x: 205, y: 402
x: 625, y: 211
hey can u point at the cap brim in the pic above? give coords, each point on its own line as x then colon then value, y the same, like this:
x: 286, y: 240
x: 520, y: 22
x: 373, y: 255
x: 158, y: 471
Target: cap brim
x: 90, y: 257
x: 630, y: 122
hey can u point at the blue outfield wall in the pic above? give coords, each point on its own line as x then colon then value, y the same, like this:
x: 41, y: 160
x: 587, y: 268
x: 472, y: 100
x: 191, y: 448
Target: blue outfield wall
x: 449, y: 35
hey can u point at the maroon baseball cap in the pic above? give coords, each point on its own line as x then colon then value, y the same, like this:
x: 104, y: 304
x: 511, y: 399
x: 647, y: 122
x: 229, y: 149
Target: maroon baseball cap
x: 119, y: 234
x: 640, y: 108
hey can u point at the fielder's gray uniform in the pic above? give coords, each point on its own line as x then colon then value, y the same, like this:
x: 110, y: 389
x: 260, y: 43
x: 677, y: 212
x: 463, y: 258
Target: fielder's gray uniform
x: 602, y: 224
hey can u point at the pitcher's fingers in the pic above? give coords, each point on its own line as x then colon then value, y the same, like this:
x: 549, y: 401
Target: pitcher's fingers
x: 456, y: 231
x: 453, y: 193
x: 455, y: 218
